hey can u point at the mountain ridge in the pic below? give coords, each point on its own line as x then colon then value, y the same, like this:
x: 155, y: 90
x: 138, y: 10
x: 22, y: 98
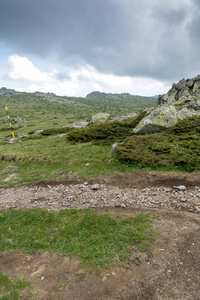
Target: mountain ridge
x: 95, y: 94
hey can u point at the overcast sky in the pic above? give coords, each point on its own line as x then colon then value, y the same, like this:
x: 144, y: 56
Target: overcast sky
x: 74, y: 47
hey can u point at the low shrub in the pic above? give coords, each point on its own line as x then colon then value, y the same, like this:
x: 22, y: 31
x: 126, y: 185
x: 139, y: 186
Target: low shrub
x: 110, y: 131
x: 189, y: 125
x: 178, y: 147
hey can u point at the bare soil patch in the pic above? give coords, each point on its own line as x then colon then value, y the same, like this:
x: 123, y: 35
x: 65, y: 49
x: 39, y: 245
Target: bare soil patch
x: 170, y: 271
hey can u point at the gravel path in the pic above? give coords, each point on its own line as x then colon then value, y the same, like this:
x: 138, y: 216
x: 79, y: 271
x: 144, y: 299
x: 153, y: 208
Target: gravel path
x: 95, y: 193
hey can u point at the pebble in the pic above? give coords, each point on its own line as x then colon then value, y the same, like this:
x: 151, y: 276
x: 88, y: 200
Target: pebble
x: 180, y: 188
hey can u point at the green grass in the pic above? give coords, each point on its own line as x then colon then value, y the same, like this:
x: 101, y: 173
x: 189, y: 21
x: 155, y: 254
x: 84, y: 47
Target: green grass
x: 98, y: 240
x: 54, y: 157
x: 36, y: 158
x: 10, y: 289
x: 30, y: 113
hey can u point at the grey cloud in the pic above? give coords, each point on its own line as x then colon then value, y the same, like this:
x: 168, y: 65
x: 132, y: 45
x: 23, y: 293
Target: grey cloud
x: 124, y: 37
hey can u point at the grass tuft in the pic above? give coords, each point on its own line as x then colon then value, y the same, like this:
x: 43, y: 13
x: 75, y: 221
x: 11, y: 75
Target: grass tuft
x: 9, y: 288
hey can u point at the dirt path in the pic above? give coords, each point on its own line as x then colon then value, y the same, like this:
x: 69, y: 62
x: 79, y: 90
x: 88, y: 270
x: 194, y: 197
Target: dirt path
x: 172, y: 271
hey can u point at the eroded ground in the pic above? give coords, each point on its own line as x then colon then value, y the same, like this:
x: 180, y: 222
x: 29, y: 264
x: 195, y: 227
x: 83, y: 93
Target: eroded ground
x: 171, y: 271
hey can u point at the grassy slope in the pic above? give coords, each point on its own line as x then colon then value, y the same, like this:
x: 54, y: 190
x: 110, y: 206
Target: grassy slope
x: 53, y: 157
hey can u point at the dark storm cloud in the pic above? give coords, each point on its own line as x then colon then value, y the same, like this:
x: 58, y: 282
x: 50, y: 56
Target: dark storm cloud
x: 124, y: 37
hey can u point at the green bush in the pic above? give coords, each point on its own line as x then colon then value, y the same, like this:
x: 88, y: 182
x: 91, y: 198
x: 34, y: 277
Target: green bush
x: 110, y: 131
x: 178, y: 147
x: 189, y: 125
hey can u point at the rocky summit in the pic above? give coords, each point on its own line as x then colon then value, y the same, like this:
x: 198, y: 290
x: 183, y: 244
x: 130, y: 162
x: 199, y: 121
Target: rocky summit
x: 181, y: 101
x: 185, y: 91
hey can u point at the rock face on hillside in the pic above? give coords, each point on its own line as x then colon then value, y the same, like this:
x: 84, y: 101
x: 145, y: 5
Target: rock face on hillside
x: 181, y: 101
x: 182, y: 92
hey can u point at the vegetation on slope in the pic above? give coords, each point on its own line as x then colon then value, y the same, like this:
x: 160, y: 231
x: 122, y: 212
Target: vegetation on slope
x: 111, y: 131
x: 48, y: 156
x: 178, y: 147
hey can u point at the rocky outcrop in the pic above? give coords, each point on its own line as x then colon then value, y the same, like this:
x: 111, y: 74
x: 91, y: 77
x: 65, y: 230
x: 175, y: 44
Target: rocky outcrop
x: 181, y: 101
x: 182, y: 92
x: 8, y: 92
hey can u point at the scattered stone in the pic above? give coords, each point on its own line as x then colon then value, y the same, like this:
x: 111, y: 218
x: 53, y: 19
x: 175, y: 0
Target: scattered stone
x: 38, y: 132
x: 80, y: 124
x: 98, y: 195
x: 10, y: 177
x: 95, y: 187
x: 180, y: 188
x: 21, y: 134
x: 114, y: 146
x: 197, y: 209
x: 13, y: 140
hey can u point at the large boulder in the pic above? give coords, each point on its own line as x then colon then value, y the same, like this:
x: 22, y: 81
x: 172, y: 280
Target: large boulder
x: 159, y: 119
x: 181, y: 101
x: 163, y: 117
x: 99, y: 118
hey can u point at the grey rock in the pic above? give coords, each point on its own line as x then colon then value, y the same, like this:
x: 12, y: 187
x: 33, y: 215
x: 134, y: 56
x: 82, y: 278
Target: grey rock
x: 183, y: 200
x: 173, y: 106
x: 184, y: 89
x: 197, y: 209
x: 11, y: 141
x: 197, y: 78
x: 159, y: 119
x: 186, y: 113
x: 195, y: 105
x: 38, y: 132
x: 181, y: 84
x: 99, y: 118
x: 180, y: 188
x: 190, y: 83
x: 95, y: 187
x: 80, y: 124
x: 114, y: 146
x: 21, y: 134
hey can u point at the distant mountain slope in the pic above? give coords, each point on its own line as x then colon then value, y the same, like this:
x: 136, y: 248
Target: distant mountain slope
x: 100, y: 95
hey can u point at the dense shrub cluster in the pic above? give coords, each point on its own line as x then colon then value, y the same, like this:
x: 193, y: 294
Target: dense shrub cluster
x: 178, y: 147
x: 110, y: 131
